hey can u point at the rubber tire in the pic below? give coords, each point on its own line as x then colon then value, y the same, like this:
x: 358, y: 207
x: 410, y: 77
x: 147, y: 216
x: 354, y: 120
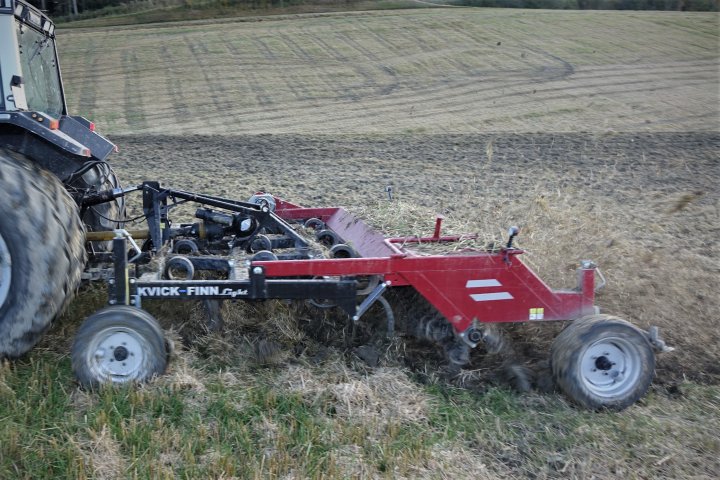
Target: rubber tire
x: 567, y: 353
x: 140, y: 324
x: 40, y: 224
x: 327, y: 238
x: 96, y: 218
x: 260, y: 242
x: 182, y: 262
x: 342, y: 250
x: 263, y: 256
x: 315, y: 224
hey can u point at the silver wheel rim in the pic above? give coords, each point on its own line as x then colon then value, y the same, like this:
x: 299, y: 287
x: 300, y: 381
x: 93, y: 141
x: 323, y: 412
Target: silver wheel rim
x: 610, y: 367
x: 5, y: 270
x: 117, y: 355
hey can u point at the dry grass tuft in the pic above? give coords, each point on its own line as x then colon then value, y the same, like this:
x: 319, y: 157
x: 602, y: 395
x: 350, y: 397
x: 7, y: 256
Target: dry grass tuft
x: 384, y: 395
x: 684, y: 201
x: 350, y: 462
x: 181, y: 376
x: 103, y: 453
x: 455, y: 460
x: 489, y: 150
x: 365, y: 400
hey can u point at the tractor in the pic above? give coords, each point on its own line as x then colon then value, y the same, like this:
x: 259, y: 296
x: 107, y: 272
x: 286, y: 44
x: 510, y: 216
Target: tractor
x: 63, y: 216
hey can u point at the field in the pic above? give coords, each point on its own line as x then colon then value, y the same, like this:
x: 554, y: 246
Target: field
x: 419, y: 71
x: 597, y: 132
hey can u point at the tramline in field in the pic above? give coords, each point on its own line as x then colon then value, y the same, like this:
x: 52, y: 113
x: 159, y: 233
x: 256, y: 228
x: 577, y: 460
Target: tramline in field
x: 63, y: 217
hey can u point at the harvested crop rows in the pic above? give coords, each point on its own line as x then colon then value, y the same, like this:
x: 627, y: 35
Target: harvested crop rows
x: 418, y: 71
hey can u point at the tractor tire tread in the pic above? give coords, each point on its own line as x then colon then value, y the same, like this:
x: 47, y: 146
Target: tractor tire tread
x: 43, y: 230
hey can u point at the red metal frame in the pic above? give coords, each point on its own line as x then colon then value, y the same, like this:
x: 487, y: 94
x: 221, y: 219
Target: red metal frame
x: 467, y: 286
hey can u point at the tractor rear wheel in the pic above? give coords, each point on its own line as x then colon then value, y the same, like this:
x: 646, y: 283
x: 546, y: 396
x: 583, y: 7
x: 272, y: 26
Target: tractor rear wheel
x: 119, y: 344
x: 603, y: 362
x: 42, y: 252
x: 105, y: 216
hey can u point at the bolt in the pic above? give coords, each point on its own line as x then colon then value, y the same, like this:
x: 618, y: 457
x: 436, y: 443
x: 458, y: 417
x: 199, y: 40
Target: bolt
x: 132, y: 280
x: 111, y: 281
x: 123, y: 364
x: 605, y: 373
x: 257, y: 270
x: 606, y: 353
x: 112, y: 302
x: 594, y: 369
x: 474, y: 335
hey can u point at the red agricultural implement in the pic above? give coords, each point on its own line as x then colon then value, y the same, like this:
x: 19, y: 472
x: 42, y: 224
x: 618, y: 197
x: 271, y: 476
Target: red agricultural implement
x: 268, y: 248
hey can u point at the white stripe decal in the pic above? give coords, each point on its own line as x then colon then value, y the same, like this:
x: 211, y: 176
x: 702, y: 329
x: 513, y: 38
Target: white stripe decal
x: 482, y: 283
x: 486, y: 297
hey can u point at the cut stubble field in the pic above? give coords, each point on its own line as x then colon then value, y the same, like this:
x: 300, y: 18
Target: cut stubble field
x: 418, y: 71
x: 596, y: 132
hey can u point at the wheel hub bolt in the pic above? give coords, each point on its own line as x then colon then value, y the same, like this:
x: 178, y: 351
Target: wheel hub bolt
x: 603, y: 363
x: 120, y: 353
x: 474, y: 335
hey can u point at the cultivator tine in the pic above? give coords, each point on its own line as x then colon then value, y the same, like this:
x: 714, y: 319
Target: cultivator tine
x: 657, y: 342
x: 494, y: 341
x: 215, y: 320
x: 369, y: 300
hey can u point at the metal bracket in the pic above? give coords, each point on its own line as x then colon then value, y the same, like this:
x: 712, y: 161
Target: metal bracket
x: 658, y: 344
x: 473, y: 335
x: 369, y: 301
x: 120, y: 283
x: 122, y: 233
x: 602, y: 283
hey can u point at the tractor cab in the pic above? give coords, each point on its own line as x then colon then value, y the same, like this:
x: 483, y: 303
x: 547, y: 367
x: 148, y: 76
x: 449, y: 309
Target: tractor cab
x: 30, y: 71
x: 34, y: 120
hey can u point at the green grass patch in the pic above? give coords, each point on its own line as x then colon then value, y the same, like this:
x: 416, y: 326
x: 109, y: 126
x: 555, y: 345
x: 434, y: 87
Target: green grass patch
x: 255, y: 426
